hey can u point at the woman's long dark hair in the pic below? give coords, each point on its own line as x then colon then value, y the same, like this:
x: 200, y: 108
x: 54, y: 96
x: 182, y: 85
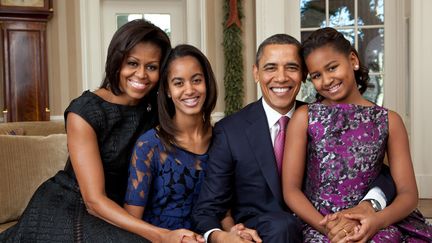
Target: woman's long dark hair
x: 331, y: 37
x: 167, y: 129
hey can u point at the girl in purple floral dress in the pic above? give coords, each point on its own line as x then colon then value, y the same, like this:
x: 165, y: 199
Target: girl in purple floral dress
x: 339, y: 144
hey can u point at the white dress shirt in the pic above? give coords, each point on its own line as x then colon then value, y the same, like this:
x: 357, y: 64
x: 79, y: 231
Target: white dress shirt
x: 273, y: 118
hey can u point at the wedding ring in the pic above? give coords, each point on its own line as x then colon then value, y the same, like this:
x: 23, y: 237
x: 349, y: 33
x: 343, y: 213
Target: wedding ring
x: 345, y: 231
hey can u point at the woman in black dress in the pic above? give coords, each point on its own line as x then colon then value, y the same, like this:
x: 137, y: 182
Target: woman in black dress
x: 83, y: 202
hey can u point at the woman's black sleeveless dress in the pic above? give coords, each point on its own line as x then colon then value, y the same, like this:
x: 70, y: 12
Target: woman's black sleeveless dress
x: 56, y: 212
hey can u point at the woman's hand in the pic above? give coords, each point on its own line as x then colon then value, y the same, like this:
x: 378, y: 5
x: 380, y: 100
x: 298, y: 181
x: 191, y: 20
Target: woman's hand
x: 370, y: 224
x: 337, y: 227
x: 246, y: 233
x: 336, y: 223
x: 181, y: 235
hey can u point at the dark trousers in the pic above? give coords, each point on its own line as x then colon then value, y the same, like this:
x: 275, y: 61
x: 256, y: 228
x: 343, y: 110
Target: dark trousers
x: 276, y: 227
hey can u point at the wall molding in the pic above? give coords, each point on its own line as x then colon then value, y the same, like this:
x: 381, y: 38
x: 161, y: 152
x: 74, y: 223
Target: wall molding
x: 91, y: 43
x: 396, y: 86
x: 420, y: 98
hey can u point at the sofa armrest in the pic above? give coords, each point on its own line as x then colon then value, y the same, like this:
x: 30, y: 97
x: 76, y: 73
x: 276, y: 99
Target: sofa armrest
x: 34, y: 128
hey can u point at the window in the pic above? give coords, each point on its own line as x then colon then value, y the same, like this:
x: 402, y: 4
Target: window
x: 362, y: 23
x: 161, y: 20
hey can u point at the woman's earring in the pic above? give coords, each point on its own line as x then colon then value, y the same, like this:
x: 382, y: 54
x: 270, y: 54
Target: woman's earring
x: 169, y: 96
x: 356, y: 67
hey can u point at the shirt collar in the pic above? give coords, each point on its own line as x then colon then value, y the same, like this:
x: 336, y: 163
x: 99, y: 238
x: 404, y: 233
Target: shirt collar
x: 272, y: 115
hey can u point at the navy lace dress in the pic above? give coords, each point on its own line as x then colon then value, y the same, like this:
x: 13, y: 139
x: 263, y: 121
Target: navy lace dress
x: 56, y: 212
x: 166, y: 183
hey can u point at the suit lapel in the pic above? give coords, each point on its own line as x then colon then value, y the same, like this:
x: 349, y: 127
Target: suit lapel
x: 260, y: 141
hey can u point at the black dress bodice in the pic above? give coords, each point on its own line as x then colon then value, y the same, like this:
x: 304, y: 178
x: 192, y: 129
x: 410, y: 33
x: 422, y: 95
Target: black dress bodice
x: 117, y: 127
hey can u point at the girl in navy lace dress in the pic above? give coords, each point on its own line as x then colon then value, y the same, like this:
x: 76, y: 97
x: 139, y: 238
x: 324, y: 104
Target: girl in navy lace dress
x: 168, y: 162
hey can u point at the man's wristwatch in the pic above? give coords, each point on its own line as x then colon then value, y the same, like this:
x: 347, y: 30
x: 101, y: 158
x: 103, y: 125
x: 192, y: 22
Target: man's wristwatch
x: 375, y: 204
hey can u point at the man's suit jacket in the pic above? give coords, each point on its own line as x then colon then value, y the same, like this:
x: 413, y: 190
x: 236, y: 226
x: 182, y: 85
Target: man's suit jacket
x: 241, y: 172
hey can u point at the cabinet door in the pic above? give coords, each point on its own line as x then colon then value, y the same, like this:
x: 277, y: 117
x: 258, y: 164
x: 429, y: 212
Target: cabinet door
x: 25, y: 70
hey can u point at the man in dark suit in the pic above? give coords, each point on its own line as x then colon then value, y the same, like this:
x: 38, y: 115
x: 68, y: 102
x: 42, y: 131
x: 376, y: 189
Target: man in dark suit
x: 242, y: 173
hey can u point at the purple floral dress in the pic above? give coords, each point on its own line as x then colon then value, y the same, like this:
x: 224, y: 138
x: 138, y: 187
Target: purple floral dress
x: 346, y: 148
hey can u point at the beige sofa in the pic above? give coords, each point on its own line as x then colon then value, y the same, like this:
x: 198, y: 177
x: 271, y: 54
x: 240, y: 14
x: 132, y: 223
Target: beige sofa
x: 30, y: 153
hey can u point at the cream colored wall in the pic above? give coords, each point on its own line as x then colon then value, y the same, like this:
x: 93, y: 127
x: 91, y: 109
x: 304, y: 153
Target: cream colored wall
x: 249, y: 40
x: 214, y: 47
x: 64, y: 72
x: 420, y: 95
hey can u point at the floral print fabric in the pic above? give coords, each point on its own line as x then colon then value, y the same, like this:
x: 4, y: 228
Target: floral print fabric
x: 346, y: 148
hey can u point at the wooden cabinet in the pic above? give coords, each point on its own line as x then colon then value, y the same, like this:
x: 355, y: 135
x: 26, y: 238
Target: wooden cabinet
x: 24, y: 63
x: 25, y: 71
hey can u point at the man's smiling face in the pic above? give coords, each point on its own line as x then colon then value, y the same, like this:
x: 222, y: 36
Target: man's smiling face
x: 279, y: 73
